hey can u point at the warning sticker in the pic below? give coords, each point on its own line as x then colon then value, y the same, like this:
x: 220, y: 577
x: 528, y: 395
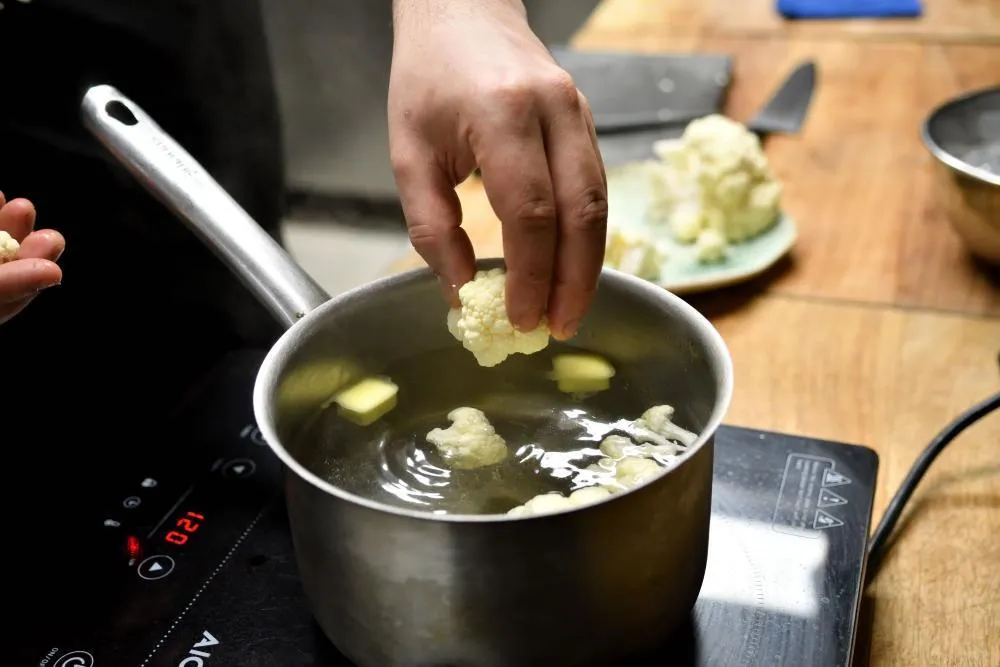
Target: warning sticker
x: 806, y: 505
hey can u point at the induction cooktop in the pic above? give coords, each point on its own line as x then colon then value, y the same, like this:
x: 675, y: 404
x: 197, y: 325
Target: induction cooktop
x: 188, y: 560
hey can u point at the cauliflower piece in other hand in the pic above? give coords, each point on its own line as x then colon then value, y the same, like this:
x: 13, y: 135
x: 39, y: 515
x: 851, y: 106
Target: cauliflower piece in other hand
x: 8, y: 248
x: 470, y: 442
x: 482, y: 324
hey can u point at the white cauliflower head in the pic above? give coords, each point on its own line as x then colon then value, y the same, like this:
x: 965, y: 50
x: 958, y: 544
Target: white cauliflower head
x: 8, y: 248
x: 738, y: 195
x: 470, y: 441
x: 482, y: 324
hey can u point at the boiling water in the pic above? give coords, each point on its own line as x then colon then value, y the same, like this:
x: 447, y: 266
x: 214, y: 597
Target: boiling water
x: 551, y: 437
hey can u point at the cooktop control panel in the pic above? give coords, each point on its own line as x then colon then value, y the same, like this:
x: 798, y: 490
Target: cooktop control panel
x: 162, y: 530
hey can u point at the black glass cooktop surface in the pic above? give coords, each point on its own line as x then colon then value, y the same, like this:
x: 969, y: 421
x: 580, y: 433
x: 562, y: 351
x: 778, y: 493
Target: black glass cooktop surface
x: 187, y: 559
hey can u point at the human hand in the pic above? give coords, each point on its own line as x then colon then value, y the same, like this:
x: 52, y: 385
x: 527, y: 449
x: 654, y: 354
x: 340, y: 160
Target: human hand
x: 472, y: 86
x: 35, y: 268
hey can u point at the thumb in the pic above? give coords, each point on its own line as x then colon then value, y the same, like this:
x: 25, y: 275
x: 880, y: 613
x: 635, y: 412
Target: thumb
x: 434, y: 216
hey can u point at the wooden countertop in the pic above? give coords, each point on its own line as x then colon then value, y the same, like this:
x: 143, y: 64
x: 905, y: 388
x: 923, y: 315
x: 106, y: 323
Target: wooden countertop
x: 879, y: 330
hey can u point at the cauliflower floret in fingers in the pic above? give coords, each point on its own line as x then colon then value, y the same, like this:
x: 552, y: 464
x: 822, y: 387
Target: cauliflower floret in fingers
x: 482, y: 326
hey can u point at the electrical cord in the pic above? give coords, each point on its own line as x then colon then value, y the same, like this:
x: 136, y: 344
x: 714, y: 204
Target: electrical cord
x: 878, y: 541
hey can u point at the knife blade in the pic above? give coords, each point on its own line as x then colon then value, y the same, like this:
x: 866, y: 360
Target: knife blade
x: 783, y: 113
x: 787, y: 108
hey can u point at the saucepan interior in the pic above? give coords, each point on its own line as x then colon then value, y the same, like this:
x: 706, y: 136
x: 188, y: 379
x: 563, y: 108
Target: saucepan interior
x: 663, y: 351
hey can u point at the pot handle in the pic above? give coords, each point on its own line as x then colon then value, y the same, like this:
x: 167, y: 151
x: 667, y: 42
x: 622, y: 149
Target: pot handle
x: 183, y: 185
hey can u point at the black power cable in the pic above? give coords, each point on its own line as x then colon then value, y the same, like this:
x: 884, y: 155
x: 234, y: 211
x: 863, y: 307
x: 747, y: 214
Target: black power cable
x: 877, y: 543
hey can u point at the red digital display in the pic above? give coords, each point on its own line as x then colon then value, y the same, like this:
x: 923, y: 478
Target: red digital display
x: 183, y: 527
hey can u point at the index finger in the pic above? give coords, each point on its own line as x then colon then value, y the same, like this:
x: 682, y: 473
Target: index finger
x: 17, y: 218
x: 515, y: 175
x: 582, y: 200
x: 433, y: 215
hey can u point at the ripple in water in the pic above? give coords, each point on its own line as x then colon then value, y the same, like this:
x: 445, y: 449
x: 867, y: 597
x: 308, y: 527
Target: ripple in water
x: 551, y: 437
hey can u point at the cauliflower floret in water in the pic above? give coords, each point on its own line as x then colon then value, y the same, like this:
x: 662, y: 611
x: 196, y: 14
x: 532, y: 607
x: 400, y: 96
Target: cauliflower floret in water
x: 628, y: 462
x: 470, y: 441
x: 8, y: 248
x: 482, y: 324
x: 618, y: 446
x: 547, y: 503
x: 656, y: 425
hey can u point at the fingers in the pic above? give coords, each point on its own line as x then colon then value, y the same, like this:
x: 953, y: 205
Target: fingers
x: 17, y: 218
x: 434, y: 217
x: 580, y: 186
x: 515, y: 173
x: 43, y: 244
x: 23, y: 278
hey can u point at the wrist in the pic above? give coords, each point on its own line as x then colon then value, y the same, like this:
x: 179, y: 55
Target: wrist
x: 405, y: 12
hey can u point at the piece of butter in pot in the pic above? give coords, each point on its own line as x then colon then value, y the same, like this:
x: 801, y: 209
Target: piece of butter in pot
x: 367, y: 401
x: 581, y: 373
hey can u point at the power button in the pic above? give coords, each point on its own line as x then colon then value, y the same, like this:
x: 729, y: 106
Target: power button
x: 75, y: 659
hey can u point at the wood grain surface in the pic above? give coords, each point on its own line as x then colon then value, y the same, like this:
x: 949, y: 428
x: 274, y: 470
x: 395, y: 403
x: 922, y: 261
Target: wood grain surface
x: 879, y: 329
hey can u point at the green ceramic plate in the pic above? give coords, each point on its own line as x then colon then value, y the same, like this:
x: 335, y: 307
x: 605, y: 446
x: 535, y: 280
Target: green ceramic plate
x: 629, y: 196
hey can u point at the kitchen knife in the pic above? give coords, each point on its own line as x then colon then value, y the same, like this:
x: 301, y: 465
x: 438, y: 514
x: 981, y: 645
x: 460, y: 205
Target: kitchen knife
x: 783, y: 113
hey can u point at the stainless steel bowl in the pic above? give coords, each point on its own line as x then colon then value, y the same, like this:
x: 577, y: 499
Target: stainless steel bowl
x: 963, y: 135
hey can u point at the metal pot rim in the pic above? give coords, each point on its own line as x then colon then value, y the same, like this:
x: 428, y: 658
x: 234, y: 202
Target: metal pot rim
x: 944, y: 156
x: 267, y: 378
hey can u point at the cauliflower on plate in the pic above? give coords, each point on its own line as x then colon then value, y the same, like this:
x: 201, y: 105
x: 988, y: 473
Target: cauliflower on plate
x: 716, y: 178
x: 633, y: 254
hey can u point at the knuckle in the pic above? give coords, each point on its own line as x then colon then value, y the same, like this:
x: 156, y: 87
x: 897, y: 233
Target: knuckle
x: 591, y: 212
x: 561, y: 87
x: 403, y: 166
x: 536, y: 216
x: 422, y: 235
x: 514, y: 97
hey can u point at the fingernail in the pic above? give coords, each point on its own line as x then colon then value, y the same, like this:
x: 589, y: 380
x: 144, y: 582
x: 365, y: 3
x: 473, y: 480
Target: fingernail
x: 526, y: 324
x: 450, y: 291
x: 569, y: 330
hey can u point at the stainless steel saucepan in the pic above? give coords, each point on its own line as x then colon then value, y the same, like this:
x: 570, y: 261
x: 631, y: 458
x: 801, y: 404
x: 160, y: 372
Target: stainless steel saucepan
x: 393, y: 586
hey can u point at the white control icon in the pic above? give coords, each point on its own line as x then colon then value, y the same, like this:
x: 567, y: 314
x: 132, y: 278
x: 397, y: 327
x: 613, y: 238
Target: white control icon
x: 75, y: 659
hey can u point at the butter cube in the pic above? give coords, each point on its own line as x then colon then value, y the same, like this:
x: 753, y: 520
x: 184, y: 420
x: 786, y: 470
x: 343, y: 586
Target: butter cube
x: 367, y: 401
x: 581, y: 373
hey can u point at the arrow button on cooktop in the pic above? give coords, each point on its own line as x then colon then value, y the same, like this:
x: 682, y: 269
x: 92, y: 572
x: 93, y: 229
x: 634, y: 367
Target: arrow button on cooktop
x: 239, y: 468
x: 155, y: 567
